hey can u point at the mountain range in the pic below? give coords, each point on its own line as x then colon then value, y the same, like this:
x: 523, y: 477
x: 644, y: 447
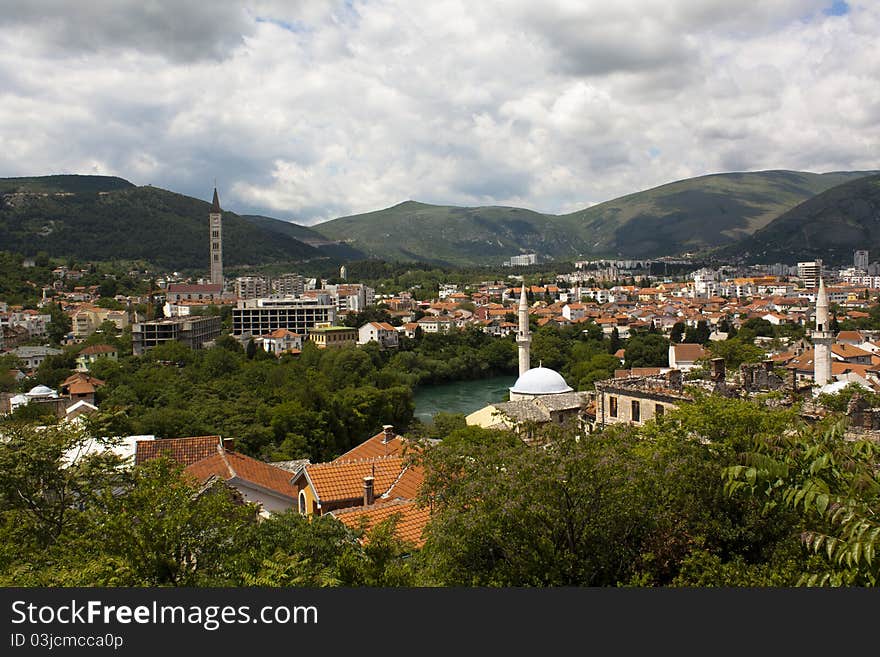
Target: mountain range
x: 754, y: 216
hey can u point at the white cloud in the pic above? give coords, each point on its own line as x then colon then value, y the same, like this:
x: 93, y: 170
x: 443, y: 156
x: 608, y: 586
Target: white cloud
x: 313, y: 109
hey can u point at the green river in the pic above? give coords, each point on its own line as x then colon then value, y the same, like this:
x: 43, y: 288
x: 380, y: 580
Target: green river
x: 460, y: 396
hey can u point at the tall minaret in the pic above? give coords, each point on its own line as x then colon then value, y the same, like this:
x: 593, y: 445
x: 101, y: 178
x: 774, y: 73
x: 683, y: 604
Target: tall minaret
x: 523, y: 338
x: 822, y: 339
x: 214, y: 219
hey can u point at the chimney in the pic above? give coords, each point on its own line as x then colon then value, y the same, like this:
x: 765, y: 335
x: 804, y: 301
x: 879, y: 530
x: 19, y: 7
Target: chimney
x: 388, y: 430
x: 674, y: 378
x: 718, y: 372
x: 368, y: 491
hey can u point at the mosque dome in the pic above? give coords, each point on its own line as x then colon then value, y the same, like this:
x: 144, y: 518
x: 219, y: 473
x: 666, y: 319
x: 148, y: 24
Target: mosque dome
x: 41, y: 391
x: 540, y: 381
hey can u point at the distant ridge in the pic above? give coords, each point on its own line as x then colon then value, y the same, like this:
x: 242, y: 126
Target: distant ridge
x: 107, y: 218
x: 831, y: 225
x: 695, y: 214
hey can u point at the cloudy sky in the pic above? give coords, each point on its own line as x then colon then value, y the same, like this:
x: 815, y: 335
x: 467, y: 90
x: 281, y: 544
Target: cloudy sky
x: 309, y: 110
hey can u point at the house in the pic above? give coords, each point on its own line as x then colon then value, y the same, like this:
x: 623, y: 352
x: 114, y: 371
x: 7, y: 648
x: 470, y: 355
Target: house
x: 185, y: 451
x: 333, y: 337
x: 684, y: 356
x: 32, y: 357
x: 258, y: 482
x: 280, y: 341
x: 436, y: 324
x: 411, y: 519
x: 93, y: 353
x: 375, y: 472
x: 637, y: 399
x: 81, y: 387
x: 381, y: 332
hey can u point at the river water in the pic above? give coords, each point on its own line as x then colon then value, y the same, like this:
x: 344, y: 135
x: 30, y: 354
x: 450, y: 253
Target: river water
x: 460, y: 396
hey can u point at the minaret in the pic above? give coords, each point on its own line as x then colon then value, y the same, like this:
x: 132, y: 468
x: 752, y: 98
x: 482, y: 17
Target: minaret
x: 215, y: 221
x: 822, y: 339
x: 523, y: 338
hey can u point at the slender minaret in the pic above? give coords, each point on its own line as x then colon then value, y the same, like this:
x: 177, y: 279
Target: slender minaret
x: 214, y: 219
x: 523, y: 338
x: 822, y: 339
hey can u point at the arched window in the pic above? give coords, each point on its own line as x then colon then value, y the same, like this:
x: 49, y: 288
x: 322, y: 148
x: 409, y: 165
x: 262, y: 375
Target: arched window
x: 302, y: 502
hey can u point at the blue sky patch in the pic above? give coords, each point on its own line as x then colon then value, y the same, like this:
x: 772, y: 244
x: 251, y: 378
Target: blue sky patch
x: 837, y: 8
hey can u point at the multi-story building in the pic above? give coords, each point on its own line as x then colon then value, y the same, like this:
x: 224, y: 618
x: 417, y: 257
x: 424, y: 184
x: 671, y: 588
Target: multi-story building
x: 523, y: 260
x: 193, y: 331
x: 333, y: 337
x: 88, y: 319
x: 288, y: 285
x: 251, y: 287
x: 860, y: 260
x: 809, y: 272
x: 300, y: 315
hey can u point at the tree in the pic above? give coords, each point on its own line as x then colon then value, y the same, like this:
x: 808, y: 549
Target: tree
x: 677, y: 332
x: 251, y: 349
x: 59, y: 324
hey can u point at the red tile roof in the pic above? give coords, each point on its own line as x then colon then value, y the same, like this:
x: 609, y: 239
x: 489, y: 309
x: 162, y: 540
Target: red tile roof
x: 411, y: 519
x: 183, y: 450
x: 230, y: 465
x: 344, y: 480
x: 375, y: 446
x: 98, y: 349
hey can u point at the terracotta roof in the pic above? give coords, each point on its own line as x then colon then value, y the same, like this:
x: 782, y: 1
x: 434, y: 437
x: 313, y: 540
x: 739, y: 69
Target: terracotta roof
x: 183, y: 450
x: 374, y: 447
x: 81, y: 388
x: 411, y: 519
x: 82, y: 376
x: 344, y: 480
x: 687, y: 352
x: 179, y: 288
x: 230, y: 465
x: 845, y: 350
x: 98, y: 349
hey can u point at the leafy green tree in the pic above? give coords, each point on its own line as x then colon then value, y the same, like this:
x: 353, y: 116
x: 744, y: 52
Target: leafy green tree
x: 677, y: 332
x: 735, y: 351
x: 647, y: 350
x: 59, y: 324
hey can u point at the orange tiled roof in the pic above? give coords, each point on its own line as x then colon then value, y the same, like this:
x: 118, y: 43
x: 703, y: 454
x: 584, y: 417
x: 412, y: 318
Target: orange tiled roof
x: 81, y: 388
x: 374, y: 447
x: 230, y: 465
x: 81, y: 376
x: 344, y: 480
x: 411, y: 519
x: 183, y: 450
x: 98, y: 349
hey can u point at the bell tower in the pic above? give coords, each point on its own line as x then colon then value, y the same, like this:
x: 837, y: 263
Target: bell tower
x: 215, y: 221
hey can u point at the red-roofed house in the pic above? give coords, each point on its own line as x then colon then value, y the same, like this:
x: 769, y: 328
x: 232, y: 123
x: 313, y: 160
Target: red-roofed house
x: 256, y: 481
x: 683, y: 356
x: 381, y: 332
x: 185, y: 451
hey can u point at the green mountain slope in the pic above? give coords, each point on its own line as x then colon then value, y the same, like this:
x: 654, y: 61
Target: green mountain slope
x: 697, y: 213
x: 831, y: 225
x: 73, y: 183
x: 687, y: 215
x: 447, y: 234
x: 115, y: 221
x: 334, y: 249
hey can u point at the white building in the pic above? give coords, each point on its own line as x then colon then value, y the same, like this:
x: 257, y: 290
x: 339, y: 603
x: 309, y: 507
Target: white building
x: 381, y: 332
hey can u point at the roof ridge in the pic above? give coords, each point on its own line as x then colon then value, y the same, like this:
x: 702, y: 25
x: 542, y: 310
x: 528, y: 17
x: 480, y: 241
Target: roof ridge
x: 222, y: 453
x: 363, y: 460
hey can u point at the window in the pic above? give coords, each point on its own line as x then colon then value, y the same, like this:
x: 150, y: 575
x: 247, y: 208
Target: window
x: 658, y: 410
x: 215, y: 233
x: 636, y: 411
x: 302, y: 502
x: 612, y: 406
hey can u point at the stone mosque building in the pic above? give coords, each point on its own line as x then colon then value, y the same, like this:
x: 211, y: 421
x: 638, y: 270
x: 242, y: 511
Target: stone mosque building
x: 539, y: 396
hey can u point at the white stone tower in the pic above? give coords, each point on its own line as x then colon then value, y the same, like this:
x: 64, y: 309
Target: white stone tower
x: 822, y: 339
x: 216, y: 226
x: 523, y: 337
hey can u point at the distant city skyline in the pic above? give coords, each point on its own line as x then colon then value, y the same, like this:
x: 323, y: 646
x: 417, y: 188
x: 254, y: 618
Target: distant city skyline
x: 313, y: 110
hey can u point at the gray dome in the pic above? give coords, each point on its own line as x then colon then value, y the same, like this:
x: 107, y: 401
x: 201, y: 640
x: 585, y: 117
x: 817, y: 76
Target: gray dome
x: 540, y: 381
x: 41, y: 391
